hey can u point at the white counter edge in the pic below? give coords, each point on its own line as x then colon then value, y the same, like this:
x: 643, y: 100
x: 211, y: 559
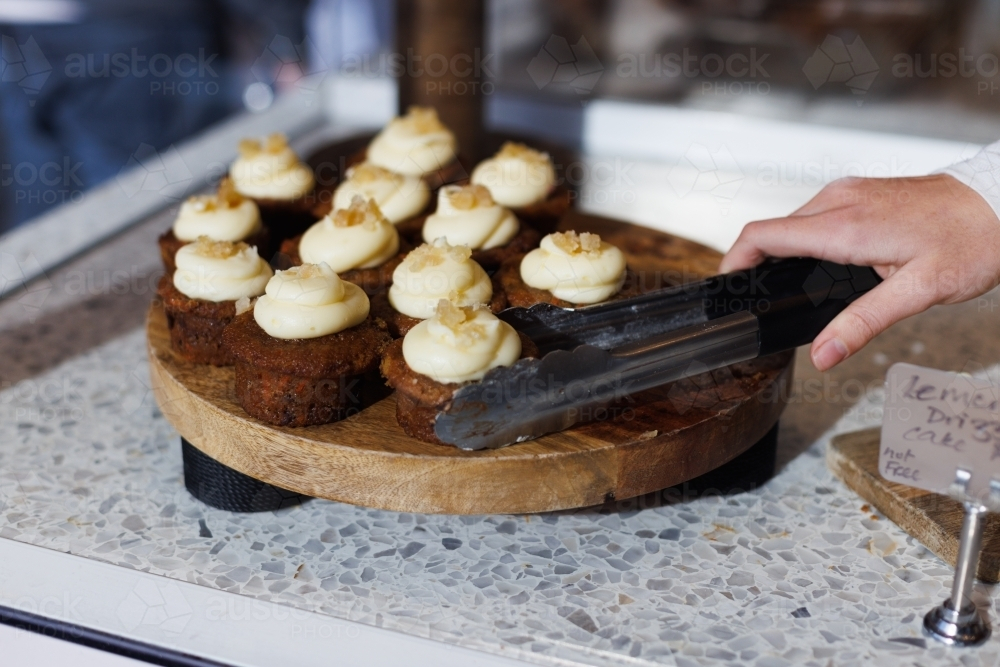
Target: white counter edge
x: 99, y: 596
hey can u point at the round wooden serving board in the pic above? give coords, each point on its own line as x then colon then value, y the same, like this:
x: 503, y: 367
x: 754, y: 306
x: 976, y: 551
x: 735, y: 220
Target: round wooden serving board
x: 662, y: 437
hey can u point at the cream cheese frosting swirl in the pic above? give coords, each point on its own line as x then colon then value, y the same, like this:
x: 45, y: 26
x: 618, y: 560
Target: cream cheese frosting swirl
x: 357, y: 237
x: 415, y: 144
x: 436, y: 271
x: 223, y: 216
x: 219, y: 270
x: 399, y: 196
x: 270, y: 170
x: 309, y: 301
x: 579, y: 268
x: 517, y: 176
x: 467, y: 215
x: 460, y: 344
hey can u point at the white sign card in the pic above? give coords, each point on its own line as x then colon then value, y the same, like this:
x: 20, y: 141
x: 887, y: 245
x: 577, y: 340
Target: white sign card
x: 936, y: 422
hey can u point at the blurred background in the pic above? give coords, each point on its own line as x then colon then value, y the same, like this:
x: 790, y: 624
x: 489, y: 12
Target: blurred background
x: 85, y: 84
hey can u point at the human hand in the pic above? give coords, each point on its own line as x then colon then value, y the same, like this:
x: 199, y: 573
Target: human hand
x: 931, y: 238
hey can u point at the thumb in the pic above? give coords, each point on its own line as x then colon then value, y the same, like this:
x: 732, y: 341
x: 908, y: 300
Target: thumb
x: 895, y: 299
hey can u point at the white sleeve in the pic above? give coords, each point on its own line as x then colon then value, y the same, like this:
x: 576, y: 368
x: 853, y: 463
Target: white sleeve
x: 981, y: 172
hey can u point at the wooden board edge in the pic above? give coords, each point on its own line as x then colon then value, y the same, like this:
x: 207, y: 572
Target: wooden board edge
x: 592, y: 474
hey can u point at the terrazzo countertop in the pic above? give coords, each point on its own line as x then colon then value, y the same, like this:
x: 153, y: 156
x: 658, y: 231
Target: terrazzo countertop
x: 796, y: 572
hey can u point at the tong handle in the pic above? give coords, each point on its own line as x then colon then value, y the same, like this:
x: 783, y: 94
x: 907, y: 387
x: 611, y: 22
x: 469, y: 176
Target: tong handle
x: 793, y: 299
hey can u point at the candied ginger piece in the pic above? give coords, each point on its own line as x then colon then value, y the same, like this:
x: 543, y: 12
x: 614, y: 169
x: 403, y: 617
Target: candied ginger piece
x: 423, y: 119
x: 276, y: 143
x: 468, y: 197
x: 515, y: 150
x: 360, y: 212
x: 227, y: 196
x: 572, y: 243
x: 436, y: 253
x: 367, y: 172
x: 207, y: 247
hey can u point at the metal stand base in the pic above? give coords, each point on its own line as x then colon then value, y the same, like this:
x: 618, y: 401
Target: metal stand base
x: 964, y: 628
x: 956, y: 621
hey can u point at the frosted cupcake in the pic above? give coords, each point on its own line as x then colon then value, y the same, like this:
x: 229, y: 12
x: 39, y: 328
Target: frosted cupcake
x: 431, y: 272
x: 357, y: 242
x: 225, y: 215
x: 567, y: 270
x: 306, y: 350
x: 467, y: 215
x: 200, y: 297
x: 455, y: 347
x: 524, y: 180
x: 402, y: 198
x: 284, y: 189
x: 417, y: 144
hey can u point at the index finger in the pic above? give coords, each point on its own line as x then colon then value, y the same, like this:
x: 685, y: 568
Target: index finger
x: 825, y: 235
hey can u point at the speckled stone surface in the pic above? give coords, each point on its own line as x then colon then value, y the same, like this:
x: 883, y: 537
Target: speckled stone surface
x: 793, y: 572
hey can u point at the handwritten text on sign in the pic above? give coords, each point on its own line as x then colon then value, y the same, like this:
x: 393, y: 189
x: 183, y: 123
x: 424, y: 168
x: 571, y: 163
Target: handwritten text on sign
x: 935, y: 422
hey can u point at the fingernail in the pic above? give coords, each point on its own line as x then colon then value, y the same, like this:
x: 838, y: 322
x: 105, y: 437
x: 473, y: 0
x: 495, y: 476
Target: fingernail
x: 829, y: 354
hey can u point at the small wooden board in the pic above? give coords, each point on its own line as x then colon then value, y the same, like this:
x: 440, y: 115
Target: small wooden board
x: 666, y: 436
x: 931, y: 518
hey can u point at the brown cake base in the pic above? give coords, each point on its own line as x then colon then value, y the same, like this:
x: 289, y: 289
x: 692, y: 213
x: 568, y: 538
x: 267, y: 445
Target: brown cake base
x: 373, y: 281
x: 170, y: 244
x: 521, y: 295
x: 399, y: 324
x: 196, y: 325
x: 545, y: 215
x: 526, y: 239
x: 290, y: 218
x: 306, y: 381
x: 418, y: 397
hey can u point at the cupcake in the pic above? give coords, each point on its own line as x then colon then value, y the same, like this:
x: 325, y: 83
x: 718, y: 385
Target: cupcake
x: 224, y: 216
x: 418, y: 144
x: 357, y: 242
x: 306, y: 350
x: 567, y: 270
x: 439, y: 355
x: 402, y: 198
x: 524, y: 180
x: 284, y: 188
x: 201, y: 296
x: 429, y: 273
x: 467, y: 215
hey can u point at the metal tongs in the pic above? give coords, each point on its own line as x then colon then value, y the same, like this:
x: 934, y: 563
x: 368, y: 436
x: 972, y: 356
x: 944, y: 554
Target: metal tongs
x: 596, y: 355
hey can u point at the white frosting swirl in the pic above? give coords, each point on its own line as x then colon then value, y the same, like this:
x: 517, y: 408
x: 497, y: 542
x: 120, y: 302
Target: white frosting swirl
x: 223, y: 216
x: 415, y: 144
x: 270, y: 170
x: 309, y: 301
x: 438, y: 271
x: 576, y: 268
x: 399, y: 196
x: 219, y: 270
x: 460, y: 344
x: 467, y: 215
x: 357, y: 237
x: 516, y: 176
